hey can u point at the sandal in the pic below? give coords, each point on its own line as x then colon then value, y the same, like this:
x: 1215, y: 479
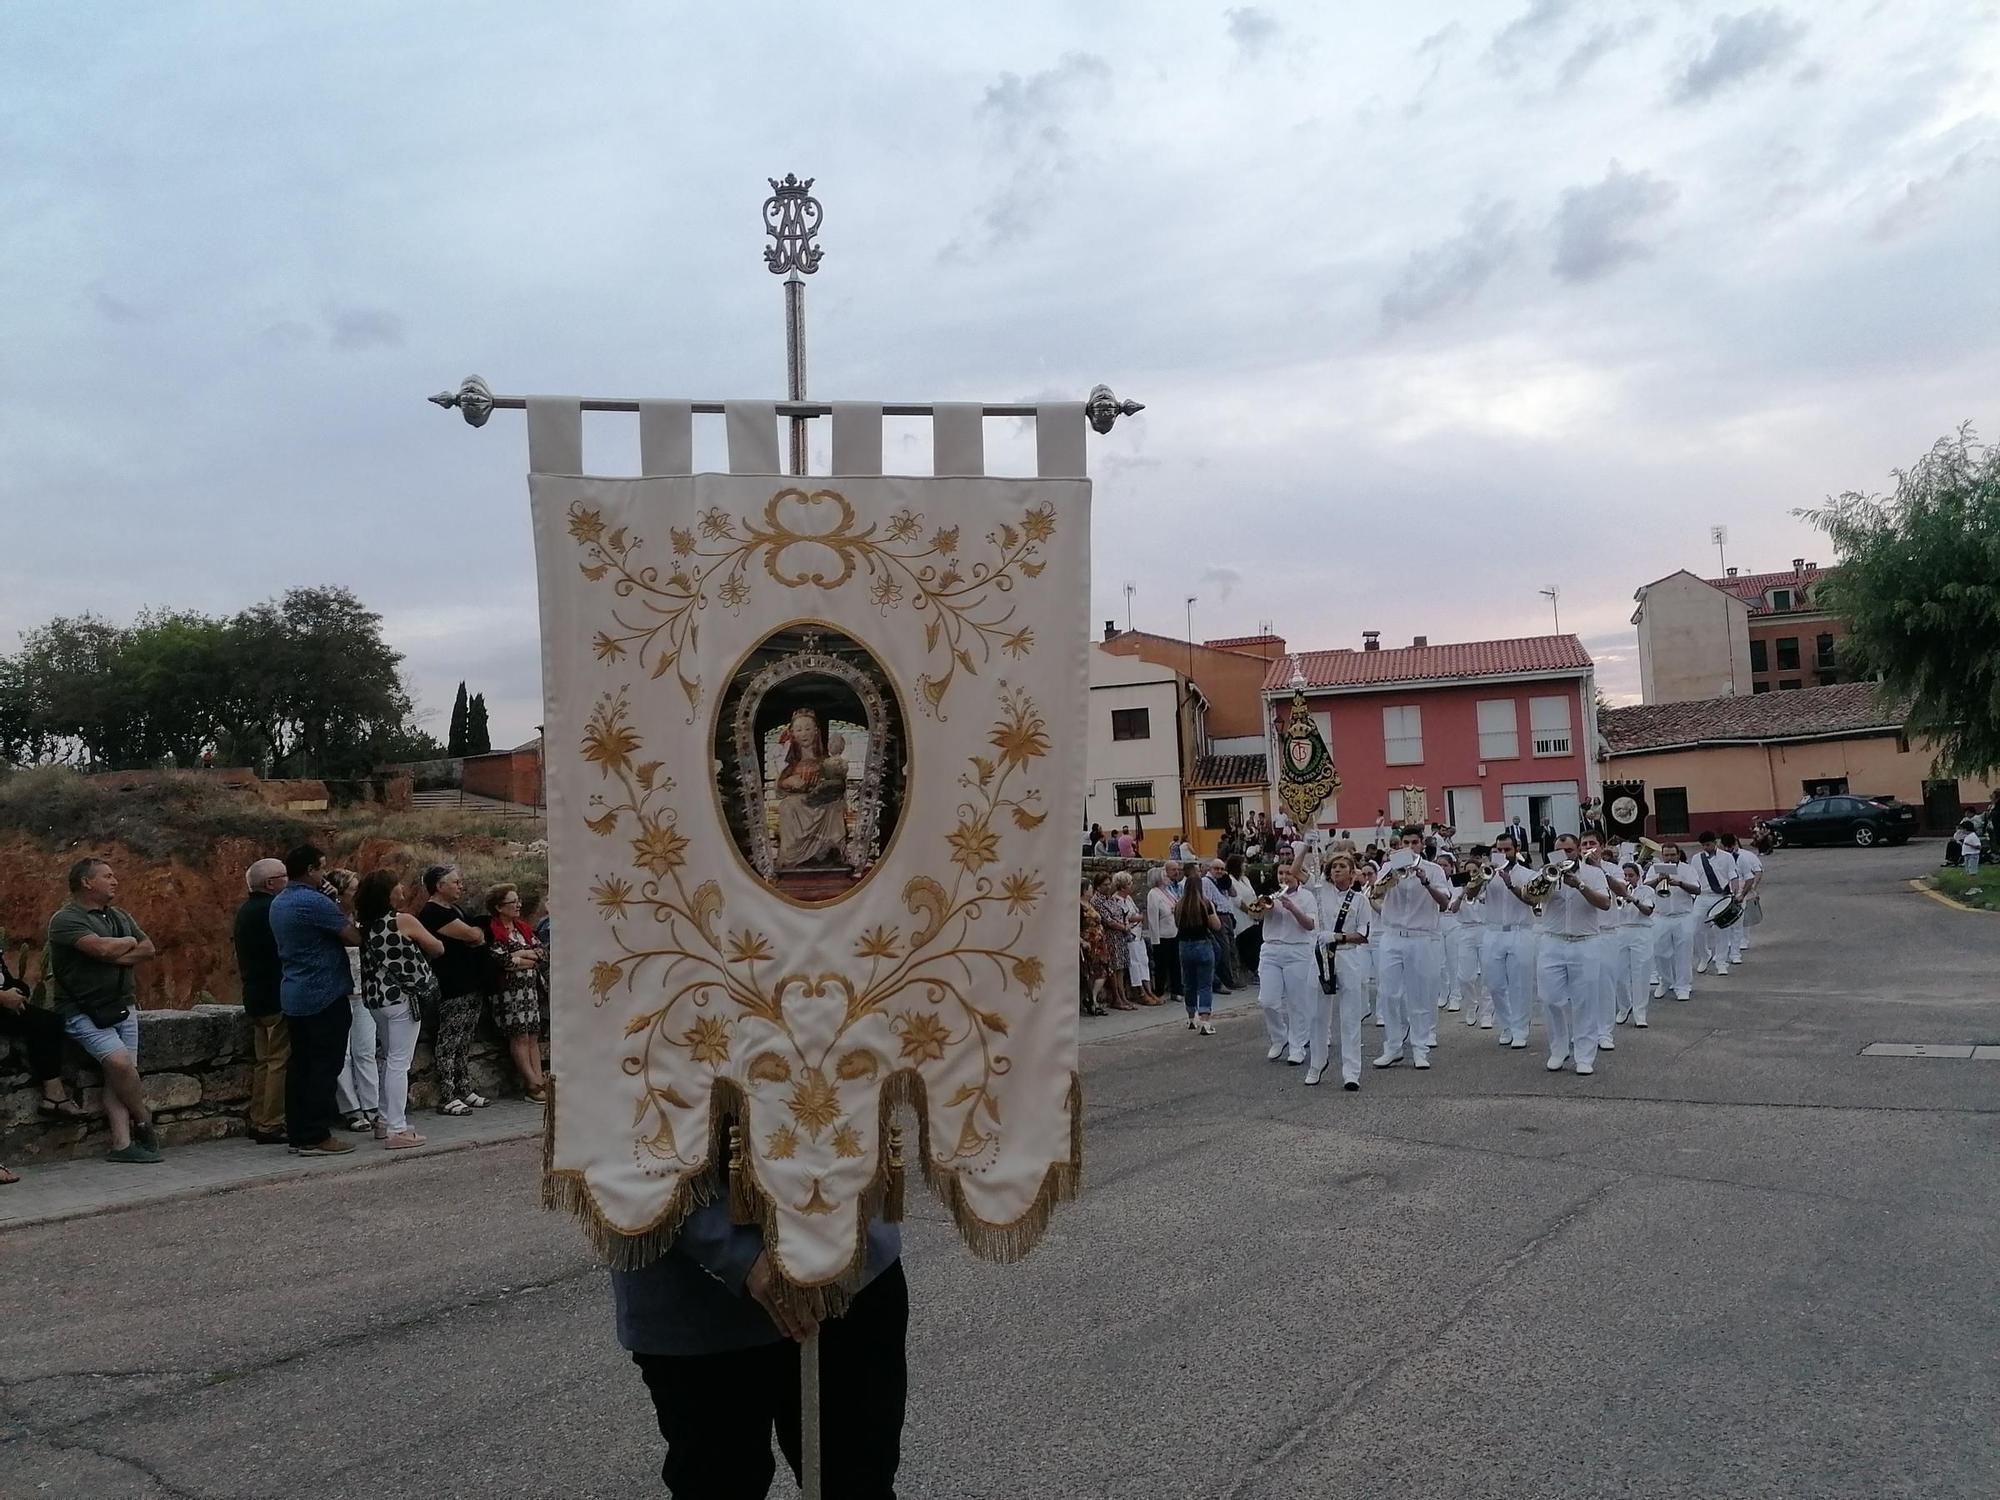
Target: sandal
x: 454, y: 1107
x: 536, y: 1096
x: 65, y: 1108
x: 477, y: 1101
x: 7, y: 1178
x: 358, y: 1122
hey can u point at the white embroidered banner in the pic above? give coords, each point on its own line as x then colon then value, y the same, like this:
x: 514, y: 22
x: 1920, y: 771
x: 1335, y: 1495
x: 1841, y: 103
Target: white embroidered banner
x: 815, y: 767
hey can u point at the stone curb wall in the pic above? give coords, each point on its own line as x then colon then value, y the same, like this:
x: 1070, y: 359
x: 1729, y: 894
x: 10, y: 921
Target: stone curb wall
x: 196, y: 1068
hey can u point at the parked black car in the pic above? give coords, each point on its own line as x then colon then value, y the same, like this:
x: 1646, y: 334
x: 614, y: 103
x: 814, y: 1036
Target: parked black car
x: 1863, y: 821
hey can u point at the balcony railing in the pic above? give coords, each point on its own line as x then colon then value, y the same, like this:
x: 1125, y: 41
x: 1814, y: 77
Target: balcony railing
x: 1552, y: 744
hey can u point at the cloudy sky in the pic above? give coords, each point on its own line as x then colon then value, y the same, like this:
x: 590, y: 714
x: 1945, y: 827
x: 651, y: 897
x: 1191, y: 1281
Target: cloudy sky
x: 1432, y: 306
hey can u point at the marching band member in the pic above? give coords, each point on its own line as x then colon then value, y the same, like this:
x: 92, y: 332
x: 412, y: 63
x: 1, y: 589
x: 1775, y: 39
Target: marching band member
x: 1448, y: 988
x: 1468, y: 906
x: 1749, y: 870
x: 1569, y: 926
x: 1604, y: 949
x: 1410, y: 896
x: 1673, y: 923
x: 1635, y: 941
x: 1286, y: 985
x: 1345, y: 915
x: 1717, y: 872
x: 1366, y: 874
x: 1510, y: 941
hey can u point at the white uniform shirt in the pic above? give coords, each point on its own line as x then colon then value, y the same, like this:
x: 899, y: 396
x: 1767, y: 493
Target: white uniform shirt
x: 1505, y: 905
x: 1640, y: 908
x: 1749, y: 864
x: 1723, y: 867
x: 1471, y: 910
x: 1360, y: 912
x: 1282, y: 929
x: 1408, y: 905
x: 1676, y: 902
x: 1567, y: 913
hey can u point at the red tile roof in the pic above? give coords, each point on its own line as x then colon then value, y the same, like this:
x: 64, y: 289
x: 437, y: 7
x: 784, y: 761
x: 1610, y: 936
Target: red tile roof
x: 1348, y: 668
x: 1248, y: 644
x: 1842, y: 708
x: 1755, y: 588
x: 1227, y: 770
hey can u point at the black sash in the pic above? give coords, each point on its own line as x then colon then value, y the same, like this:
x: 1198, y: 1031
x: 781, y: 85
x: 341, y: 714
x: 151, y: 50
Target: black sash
x: 1329, y: 969
x: 1708, y: 869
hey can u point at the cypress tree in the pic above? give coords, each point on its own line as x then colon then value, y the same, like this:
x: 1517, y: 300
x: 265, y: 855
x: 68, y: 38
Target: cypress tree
x: 478, y: 738
x: 455, y: 742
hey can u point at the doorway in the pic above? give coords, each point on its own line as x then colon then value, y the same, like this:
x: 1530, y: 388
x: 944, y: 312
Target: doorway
x: 1465, y: 810
x: 1942, y: 807
x: 1670, y: 811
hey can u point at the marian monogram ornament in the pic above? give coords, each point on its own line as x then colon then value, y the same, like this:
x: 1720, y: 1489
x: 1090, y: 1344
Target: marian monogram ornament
x: 815, y: 758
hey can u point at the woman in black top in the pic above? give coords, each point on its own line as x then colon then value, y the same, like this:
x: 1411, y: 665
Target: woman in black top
x: 459, y: 974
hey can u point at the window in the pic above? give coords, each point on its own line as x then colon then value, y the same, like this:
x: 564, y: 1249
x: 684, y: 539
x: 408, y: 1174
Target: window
x: 1548, y: 719
x: 1499, y: 736
x: 1760, y: 687
x: 1788, y: 683
x: 1131, y: 724
x: 1403, y: 736
x: 1759, y: 657
x: 1788, y: 653
x: 1823, y: 652
x: 1219, y: 812
x: 1781, y: 598
x: 1135, y: 798
x: 1670, y: 810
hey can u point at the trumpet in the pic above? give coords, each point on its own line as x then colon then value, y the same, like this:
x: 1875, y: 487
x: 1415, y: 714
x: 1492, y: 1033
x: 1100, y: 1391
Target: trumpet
x: 1664, y: 884
x: 1385, y: 884
x: 1538, y: 890
x: 1476, y: 878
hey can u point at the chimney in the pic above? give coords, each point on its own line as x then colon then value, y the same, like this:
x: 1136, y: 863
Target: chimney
x: 1111, y: 631
x: 1798, y: 565
x: 1730, y: 571
x: 1422, y: 640
x: 1371, y: 640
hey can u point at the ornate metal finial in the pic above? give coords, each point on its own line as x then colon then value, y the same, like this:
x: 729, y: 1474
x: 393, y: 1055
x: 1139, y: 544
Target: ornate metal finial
x: 473, y: 398
x: 1103, y: 408
x: 791, y: 219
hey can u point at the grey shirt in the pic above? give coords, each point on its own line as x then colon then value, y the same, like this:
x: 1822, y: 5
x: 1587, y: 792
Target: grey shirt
x: 691, y: 1300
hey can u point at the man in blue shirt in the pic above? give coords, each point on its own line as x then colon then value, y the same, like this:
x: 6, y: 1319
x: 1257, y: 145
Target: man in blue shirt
x: 720, y: 1356
x: 313, y: 985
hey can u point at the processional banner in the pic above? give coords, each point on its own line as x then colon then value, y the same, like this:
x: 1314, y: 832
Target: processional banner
x: 815, y: 757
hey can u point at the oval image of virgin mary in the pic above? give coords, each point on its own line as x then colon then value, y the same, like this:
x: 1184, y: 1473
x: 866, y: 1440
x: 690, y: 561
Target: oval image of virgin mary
x: 810, y: 757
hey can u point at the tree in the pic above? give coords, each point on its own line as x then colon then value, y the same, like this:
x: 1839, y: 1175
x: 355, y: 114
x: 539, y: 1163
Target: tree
x: 460, y: 711
x: 478, y: 738
x: 1918, y: 584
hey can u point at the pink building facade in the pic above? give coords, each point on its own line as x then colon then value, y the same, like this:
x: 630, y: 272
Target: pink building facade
x: 1473, y: 734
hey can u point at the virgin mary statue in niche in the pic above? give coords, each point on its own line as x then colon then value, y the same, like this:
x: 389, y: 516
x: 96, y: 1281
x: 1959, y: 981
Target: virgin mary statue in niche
x: 809, y: 757
x: 812, y: 796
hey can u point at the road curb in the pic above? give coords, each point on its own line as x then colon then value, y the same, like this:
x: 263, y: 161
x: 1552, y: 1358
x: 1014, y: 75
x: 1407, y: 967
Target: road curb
x: 1942, y: 899
x: 373, y: 1161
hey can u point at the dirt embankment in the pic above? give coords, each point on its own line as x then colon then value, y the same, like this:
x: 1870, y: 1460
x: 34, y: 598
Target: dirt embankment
x: 186, y: 909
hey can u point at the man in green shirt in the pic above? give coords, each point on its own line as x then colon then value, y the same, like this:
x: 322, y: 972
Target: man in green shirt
x: 93, y: 948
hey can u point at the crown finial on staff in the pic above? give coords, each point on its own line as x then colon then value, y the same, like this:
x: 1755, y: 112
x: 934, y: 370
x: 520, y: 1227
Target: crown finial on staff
x: 791, y: 218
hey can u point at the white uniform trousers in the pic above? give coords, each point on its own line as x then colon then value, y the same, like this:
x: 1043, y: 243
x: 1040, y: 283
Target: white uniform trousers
x: 1603, y: 960
x: 1635, y: 945
x: 1508, y: 967
x: 1673, y: 953
x: 1735, y: 938
x: 1408, y: 977
x: 1286, y: 989
x: 1563, y: 971
x: 1711, y: 943
x: 1350, y: 1003
x: 1448, y: 940
x: 1466, y: 954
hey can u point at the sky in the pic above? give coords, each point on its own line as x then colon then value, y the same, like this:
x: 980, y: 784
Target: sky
x: 1431, y: 307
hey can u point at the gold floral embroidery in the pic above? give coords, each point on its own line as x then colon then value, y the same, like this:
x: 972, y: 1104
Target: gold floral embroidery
x: 961, y: 600
x: 675, y: 937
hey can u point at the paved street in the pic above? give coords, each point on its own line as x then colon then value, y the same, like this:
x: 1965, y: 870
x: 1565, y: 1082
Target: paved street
x: 1741, y: 1260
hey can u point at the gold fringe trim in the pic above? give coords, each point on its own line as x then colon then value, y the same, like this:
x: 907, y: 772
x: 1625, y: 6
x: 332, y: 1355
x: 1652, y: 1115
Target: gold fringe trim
x: 568, y: 1190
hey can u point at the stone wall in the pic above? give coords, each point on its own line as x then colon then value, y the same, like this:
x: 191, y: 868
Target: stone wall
x: 196, y: 1067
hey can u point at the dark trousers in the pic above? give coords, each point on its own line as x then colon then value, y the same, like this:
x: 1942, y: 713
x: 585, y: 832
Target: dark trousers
x: 717, y: 1411
x: 319, y: 1052
x: 1224, y: 942
x: 1166, y: 960
x: 42, y: 1030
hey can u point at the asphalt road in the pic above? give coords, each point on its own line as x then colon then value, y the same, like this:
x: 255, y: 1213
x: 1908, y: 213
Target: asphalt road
x: 1740, y: 1260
